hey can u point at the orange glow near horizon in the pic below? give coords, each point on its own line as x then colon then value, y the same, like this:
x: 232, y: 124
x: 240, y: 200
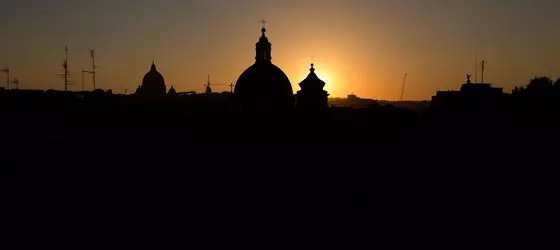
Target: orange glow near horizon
x: 358, y: 47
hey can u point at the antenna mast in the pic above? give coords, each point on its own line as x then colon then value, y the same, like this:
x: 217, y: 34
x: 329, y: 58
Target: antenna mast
x: 82, y: 78
x: 403, y: 85
x: 208, y: 88
x: 208, y: 84
x: 482, y: 77
x: 92, y: 54
x: 65, y: 69
x: 66, y: 73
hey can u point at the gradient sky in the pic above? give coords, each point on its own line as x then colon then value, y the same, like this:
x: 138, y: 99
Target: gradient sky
x: 358, y: 46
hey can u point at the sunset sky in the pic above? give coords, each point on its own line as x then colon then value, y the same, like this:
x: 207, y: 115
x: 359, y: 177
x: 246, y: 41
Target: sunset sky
x: 363, y: 47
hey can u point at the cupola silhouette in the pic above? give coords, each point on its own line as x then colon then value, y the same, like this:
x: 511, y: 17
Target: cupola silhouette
x: 172, y: 91
x: 153, y: 84
x: 264, y: 86
x: 312, y: 97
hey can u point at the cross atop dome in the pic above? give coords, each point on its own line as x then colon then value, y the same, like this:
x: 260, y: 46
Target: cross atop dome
x: 263, y: 26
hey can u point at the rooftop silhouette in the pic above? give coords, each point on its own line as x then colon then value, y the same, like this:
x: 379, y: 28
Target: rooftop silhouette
x: 471, y: 147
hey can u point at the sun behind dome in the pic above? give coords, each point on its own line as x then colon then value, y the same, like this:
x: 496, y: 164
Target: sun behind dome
x: 312, y: 97
x: 264, y: 86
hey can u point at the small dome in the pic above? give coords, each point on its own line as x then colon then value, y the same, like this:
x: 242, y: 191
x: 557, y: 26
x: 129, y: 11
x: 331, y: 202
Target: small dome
x: 172, y: 90
x: 312, y: 97
x: 312, y: 81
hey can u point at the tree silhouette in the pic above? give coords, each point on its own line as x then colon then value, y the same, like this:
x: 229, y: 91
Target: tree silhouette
x: 540, y: 86
x: 557, y: 86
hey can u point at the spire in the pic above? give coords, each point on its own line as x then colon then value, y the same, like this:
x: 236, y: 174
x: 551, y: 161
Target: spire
x: 153, y: 66
x: 263, y: 47
x: 312, y: 69
x: 263, y: 30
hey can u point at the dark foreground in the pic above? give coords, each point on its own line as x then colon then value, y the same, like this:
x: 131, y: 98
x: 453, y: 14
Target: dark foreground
x: 213, y: 167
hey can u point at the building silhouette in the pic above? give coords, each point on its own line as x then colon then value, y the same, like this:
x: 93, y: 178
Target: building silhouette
x: 153, y: 84
x: 172, y: 92
x: 312, y: 97
x: 264, y: 86
x: 472, y: 97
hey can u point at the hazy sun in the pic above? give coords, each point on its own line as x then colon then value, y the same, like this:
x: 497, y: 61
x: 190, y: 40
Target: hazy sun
x: 324, y: 76
x: 322, y: 70
x: 329, y: 82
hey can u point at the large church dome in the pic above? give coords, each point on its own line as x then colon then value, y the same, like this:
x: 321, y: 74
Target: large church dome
x: 264, y: 86
x: 153, y: 77
x: 153, y: 83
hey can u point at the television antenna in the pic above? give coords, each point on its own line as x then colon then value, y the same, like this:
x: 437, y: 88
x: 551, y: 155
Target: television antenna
x: 482, y: 77
x: 93, y: 66
x: 7, y: 71
x: 207, y: 85
x: 65, y: 66
x: 66, y: 73
x: 403, y: 85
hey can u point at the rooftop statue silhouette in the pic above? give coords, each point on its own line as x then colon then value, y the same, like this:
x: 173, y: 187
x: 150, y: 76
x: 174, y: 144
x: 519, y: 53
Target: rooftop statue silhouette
x: 153, y: 84
x: 264, y: 86
x: 312, y: 97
